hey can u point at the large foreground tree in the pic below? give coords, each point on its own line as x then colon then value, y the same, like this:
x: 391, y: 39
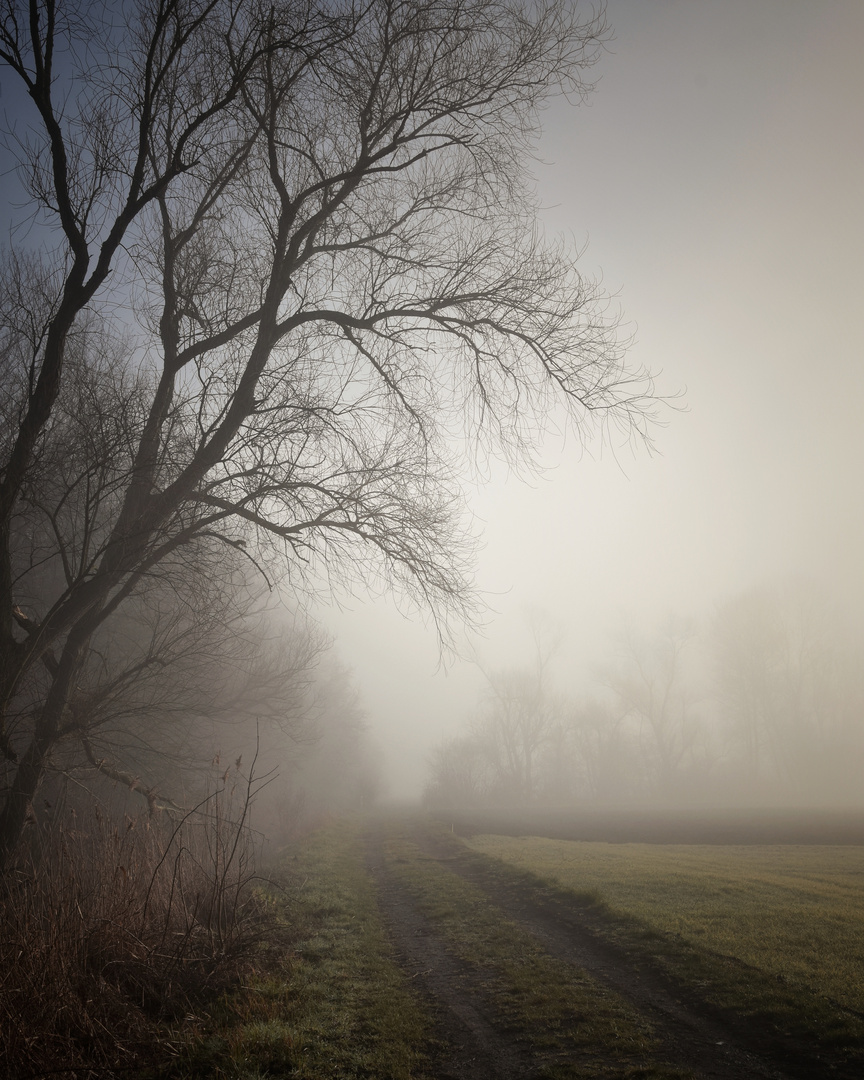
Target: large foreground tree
x: 276, y: 270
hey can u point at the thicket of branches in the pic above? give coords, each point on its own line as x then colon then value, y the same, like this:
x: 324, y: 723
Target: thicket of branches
x: 274, y: 277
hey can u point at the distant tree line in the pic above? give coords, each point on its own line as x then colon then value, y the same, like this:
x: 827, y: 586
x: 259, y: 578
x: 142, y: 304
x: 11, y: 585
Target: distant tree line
x: 762, y: 704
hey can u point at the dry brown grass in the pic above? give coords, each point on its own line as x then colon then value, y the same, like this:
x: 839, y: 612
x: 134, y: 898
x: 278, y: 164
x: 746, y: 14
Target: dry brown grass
x: 111, y: 933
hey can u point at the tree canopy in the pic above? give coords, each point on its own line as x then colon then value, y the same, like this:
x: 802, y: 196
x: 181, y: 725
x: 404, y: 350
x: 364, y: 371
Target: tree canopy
x: 277, y: 278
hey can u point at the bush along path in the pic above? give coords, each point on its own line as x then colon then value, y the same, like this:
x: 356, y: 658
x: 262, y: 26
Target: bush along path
x: 414, y: 958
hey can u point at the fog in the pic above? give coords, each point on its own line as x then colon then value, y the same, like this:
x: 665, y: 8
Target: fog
x: 714, y: 181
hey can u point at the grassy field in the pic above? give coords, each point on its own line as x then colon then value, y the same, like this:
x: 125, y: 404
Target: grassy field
x: 575, y: 1026
x: 773, y: 930
x: 773, y: 934
x: 338, y: 1005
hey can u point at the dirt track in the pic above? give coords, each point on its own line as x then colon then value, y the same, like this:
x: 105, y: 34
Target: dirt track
x: 472, y: 1041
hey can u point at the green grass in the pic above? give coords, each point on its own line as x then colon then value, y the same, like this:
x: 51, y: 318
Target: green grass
x: 337, y: 1006
x: 771, y: 930
x: 776, y: 934
x: 580, y: 1027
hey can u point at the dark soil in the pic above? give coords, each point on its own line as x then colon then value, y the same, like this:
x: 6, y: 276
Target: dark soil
x: 470, y: 1041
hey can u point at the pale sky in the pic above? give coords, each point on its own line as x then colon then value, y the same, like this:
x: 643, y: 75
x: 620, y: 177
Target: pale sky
x: 716, y: 179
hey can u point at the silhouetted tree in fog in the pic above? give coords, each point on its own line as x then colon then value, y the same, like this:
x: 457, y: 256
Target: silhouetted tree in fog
x: 503, y: 758
x: 516, y: 724
x: 652, y: 690
x: 281, y: 268
x: 603, y: 762
x: 332, y: 768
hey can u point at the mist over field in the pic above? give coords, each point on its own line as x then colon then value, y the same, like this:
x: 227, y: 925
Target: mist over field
x: 713, y: 179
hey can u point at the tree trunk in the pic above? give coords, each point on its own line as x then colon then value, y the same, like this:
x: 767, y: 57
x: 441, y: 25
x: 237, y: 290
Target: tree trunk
x: 27, y: 778
x: 31, y: 767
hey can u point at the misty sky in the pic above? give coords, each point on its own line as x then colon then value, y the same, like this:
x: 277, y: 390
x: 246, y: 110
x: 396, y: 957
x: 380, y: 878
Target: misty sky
x: 715, y: 180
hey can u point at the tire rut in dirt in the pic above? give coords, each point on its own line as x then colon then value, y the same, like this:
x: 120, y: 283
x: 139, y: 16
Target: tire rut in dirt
x: 695, y: 1034
x: 466, y: 1043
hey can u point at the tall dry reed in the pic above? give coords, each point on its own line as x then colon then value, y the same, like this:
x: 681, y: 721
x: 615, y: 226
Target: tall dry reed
x: 111, y: 932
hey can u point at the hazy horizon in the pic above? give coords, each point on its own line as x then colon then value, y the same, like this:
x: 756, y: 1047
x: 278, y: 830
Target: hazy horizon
x: 713, y: 179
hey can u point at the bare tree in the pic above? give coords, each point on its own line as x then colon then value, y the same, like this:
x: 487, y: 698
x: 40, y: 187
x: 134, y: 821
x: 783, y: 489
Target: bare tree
x: 749, y: 645
x: 651, y: 688
x: 333, y: 765
x: 513, y: 729
x: 167, y: 683
x: 520, y: 717
x: 190, y: 647
x: 305, y: 231
x: 606, y: 762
